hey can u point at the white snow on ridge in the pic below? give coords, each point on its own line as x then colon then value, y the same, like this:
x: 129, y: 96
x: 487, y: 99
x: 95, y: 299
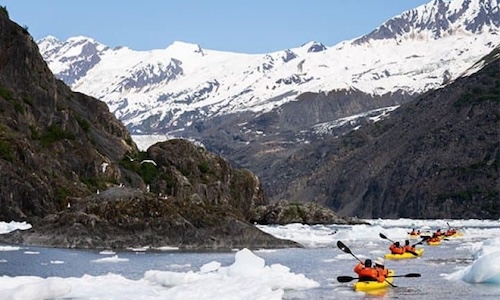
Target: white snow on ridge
x: 186, y: 78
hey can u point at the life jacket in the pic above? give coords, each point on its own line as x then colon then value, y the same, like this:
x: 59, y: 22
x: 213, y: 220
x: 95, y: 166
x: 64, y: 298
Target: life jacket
x: 433, y: 239
x: 366, y: 274
x: 383, y: 272
x: 450, y: 232
x: 396, y: 250
x: 410, y: 248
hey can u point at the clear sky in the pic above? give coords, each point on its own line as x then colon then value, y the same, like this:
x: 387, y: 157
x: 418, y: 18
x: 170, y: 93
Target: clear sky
x: 247, y: 26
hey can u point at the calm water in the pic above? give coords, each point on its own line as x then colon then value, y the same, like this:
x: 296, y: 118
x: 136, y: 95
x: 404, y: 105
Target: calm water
x: 322, y: 265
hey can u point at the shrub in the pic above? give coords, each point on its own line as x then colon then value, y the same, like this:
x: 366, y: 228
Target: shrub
x: 55, y: 133
x: 6, y: 152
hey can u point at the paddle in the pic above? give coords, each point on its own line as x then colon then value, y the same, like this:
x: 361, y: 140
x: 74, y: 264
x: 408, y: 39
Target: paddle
x: 419, y: 242
x: 384, y: 237
x: 349, y: 278
x: 346, y: 249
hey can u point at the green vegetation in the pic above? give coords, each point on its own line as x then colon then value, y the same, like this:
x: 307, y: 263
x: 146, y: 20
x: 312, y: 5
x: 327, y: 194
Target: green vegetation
x: 94, y: 183
x: 84, y: 124
x: 6, y: 151
x: 129, y: 141
x: 203, y: 167
x: 54, y: 133
x: 61, y: 194
x: 35, y: 135
x: 147, y: 171
x: 28, y: 100
x: 294, y: 211
x: 6, y: 94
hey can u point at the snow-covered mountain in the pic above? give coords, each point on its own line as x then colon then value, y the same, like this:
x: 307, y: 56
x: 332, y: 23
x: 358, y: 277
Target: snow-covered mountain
x: 165, y: 90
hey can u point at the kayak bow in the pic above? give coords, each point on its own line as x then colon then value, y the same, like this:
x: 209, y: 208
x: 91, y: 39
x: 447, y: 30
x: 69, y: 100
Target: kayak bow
x: 405, y: 255
x: 367, y: 286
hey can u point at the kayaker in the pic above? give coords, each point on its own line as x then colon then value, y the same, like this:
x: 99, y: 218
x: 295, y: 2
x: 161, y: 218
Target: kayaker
x: 438, y: 233
x: 396, y: 248
x: 366, y: 272
x: 450, y: 232
x: 382, y: 270
x: 433, y: 239
x: 414, y: 232
x: 408, y: 247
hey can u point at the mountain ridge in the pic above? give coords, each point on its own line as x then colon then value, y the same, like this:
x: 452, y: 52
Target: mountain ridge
x: 183, y: 82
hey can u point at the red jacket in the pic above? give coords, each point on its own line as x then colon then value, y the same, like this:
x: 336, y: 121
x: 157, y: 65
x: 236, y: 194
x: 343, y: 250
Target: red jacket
x: 396, y: 250
x: 410, y: 248
x: 364, y: 273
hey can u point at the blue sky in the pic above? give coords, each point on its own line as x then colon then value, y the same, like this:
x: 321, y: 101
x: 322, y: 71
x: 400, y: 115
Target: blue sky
x: 252, y: 26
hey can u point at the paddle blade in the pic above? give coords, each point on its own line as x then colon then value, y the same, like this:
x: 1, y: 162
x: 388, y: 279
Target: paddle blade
x: 343, y: 247
x: 418, y: 243
x: 383, y: 236
x: 407, y: 275
x: 345, y: 279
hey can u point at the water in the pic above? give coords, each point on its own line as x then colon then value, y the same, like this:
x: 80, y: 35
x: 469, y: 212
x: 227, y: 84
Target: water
x: 322, y: 263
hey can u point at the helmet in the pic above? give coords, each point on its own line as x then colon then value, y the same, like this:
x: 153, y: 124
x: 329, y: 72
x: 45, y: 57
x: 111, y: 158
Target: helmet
x: 439, y: 230
x: 368, y: 263
x: 379, y: 261
x: 397, y: 244
x: 407, y: 242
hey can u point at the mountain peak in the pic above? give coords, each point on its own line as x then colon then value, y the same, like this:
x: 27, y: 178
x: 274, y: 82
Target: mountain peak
x: 48, y: 39
x: 81, y: 40
x: 178, y: 48
x: 438, y: 19
x: 313, y: 46
x: 48, y: 43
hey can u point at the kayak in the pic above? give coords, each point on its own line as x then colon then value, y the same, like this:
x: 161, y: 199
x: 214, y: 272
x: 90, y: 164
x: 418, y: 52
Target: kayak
x: 458, y: 234
x: 414, y: 236
x: 434, y: 243
x: 367, y: 286
x: 405, y: 255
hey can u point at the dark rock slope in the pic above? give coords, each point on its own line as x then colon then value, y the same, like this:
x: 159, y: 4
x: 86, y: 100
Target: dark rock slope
x: 435, y: 157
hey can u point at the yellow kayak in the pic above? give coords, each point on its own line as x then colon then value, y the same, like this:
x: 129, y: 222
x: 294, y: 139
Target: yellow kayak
x: 434, y: 243
x: 414, y: 236
x: 367, y: 286
x: 405, y: 255
x: 455, y: 235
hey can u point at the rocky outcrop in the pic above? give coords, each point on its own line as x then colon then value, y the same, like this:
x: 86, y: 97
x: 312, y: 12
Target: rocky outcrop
x: 284, y: 212
x: 122, y: 217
